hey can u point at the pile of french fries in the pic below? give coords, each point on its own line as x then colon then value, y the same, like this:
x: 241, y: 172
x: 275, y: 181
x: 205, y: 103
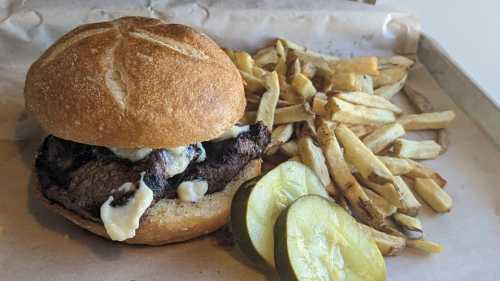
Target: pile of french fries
x: 335, y: 116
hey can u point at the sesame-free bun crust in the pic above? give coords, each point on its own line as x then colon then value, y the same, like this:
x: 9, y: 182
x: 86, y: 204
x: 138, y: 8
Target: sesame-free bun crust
x: 135, y: 82
x: 169, y: 220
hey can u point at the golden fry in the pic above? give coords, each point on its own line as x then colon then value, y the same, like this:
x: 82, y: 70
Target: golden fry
x: 269, y: 100
x: 409, y: 204
x: 427, y: 121
x: 294, y: 113
x: 319, y: 104
x: 361, y: 204
x: 389, y: 245
x: 433, y: 195
x: 368, y: 165
x: 345, y: 112
x: 425, y: 245
x: 279, y: 136
x: 382, y: 137
x: 416, y: 149
x: 360, y: 65
x: 380, y: 203
x: 290, y: 149
x: 244, y: 61
x: 389, y: 76
x: 397, y: 166
x: 303, y: 86
x: 368, y: 100
x: 266, y: 56
x: 388, y: 91
x: 312, y: 157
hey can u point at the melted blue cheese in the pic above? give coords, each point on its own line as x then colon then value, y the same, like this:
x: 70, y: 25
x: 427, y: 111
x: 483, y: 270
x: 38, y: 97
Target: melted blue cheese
x: 233, y: 132
x: 121, y: 222
x: 131, y: 153
x: 180, y: 159
x: 181, y: 156
x: 192, y: 191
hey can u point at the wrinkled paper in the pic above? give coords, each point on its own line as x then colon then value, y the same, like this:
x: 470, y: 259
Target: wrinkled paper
x: 38, y: 245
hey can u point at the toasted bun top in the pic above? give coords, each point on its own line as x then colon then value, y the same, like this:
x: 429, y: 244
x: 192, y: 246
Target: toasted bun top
x: 135, y: 82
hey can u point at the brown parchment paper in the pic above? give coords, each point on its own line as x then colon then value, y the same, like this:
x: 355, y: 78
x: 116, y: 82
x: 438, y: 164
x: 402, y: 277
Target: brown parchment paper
x: 38, y: 245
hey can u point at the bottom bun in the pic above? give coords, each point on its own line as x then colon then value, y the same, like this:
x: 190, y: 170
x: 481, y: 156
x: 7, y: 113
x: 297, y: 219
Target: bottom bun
x: 169, y: 220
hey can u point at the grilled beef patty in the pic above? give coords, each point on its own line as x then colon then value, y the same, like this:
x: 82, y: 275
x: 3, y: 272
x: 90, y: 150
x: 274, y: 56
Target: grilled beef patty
x: 82, y: 177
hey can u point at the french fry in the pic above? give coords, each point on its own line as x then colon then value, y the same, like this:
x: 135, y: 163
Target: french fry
x: 427, y: 121
x: 388, y: 91
x: 266, y: 56
x: 319, y: 103
x: 312, y: 157
x: 382, y: 137
x: 418, y: 170
x: 395, y: 61
x: 442, y: 140
x: 252, y: 98
x: 295, y: 158
x: 279, y: 136
x: 259, y: 72
x: 322, y: 66
x: 290, y: 149
x: 360, y: 65
x: 433, y: 195
x: 391, y: 229
x: 397, y: 166
x: 380, y: 203
x: 389, y: 76
x: 303, y: 86
x: 410, y: 205
x: 296, y: 47
x: 244, y: 61
x: 289, y: 94
x: 366, y: 84
x: 293, y: 69
x: 347, y: 81
x: 361, y: 204
x: 283, y: 103
x: 368, y: 100
x: 249, y: 117
x: 368, y: 165
x: 361, y: 130
x: 416, y: 149
x: 294, y: 113
x: 425, y: 245
x: 412, y: 227
x: 229, y: 53
x: 252, y: 83
x: 388, y: 191
x: 424, y: 105
x: 320, y: 61
x: 305, y: 128
x: 345, y: 112
x: 309, y: 70
x: 281, y: 66
x: 269, y: 100
x: 389, y: 245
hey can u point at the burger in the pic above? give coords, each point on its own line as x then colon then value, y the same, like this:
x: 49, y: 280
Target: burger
x: 143, y: 142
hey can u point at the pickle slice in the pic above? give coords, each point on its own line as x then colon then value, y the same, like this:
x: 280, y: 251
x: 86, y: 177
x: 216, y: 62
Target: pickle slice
x: 258, y: 203
x: 315, y: 239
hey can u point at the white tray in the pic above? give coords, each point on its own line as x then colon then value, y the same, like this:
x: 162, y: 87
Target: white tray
x: 38, y: 245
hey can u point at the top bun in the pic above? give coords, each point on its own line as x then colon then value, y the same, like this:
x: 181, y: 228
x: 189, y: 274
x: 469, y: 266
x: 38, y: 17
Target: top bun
x: 135, y: 82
